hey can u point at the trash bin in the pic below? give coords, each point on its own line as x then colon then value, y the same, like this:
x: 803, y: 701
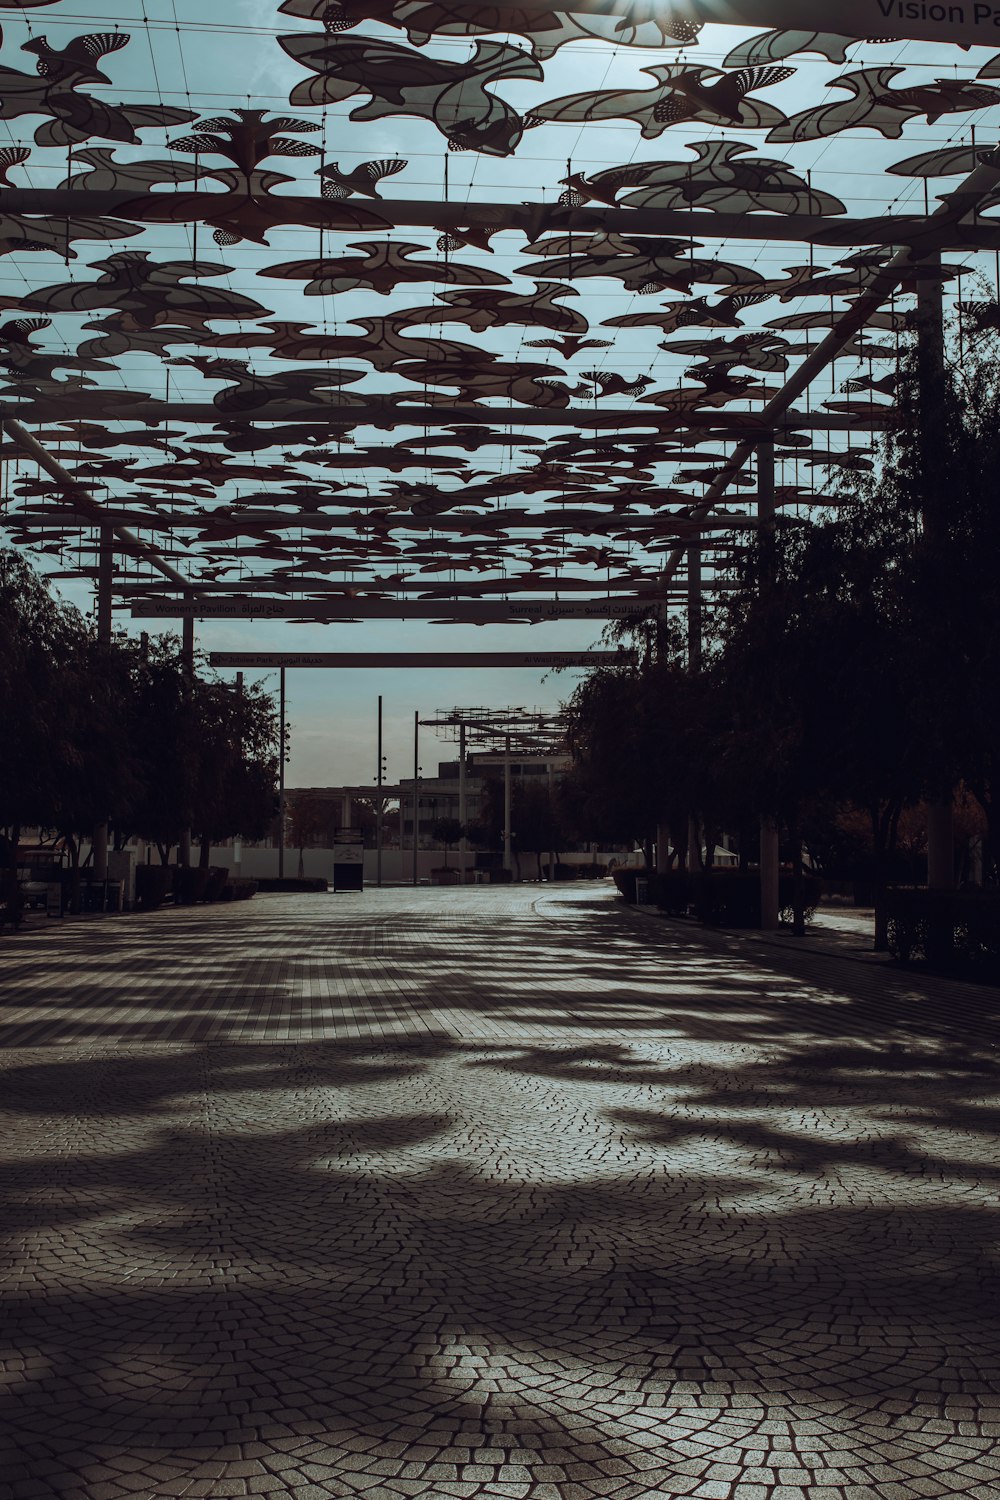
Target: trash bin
x: 642, y: 893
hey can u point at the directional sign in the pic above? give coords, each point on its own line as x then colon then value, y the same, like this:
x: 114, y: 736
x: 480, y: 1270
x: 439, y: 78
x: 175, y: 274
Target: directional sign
x: 464, y: 611
x: 376, y: 659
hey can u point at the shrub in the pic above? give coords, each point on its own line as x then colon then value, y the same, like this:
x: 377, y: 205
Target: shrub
x: 190, y: 884
x: 290, y: 884
x: 153, y: 883
x: 216, y: 884
x: 954, y: 931
x: 238, y: 889
x: 731, y: 898
x: 673, y: 892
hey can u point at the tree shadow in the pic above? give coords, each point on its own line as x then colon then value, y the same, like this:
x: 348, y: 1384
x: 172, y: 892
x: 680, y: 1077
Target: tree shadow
x: 760, y: 1215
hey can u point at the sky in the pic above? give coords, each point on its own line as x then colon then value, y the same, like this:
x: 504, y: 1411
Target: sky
x: 186, y: 53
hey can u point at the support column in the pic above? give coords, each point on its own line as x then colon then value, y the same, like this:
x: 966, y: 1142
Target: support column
x: 348, y: 810
x: 770, y: 874
x: 696, y: 648
x: 508, y: 861
x: 105, y: 578
x: 379, y: 808
x: 931, y: 366
x: 281, y: 776
x: 187, y: 657
x: 770, y: 852
x: 695, y: 607
x: 416, y: 798
x: 463, y: 804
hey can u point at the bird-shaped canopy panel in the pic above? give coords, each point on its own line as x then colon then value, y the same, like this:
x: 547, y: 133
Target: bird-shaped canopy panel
x: 338, y: 307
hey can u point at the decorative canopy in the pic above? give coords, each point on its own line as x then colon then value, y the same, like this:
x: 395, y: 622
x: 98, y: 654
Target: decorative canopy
x: 456, y: 311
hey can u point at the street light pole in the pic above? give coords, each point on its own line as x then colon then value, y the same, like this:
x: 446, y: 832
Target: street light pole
x: 508, y: 862
x: 463, y: 847
x: 378, y: 804
x: 416, y: 795
x: 105, y: 580
x: 187, y: 657
x: 281, y: 779
x: 770, y: 848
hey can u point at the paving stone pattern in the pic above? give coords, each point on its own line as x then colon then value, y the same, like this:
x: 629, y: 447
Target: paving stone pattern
x: 490, y: 1193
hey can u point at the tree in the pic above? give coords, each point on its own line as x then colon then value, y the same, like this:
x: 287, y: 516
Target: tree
x: 236, y: 762
x: 447, y: 831
x: 162, y: 728
x: 310, y: 819
x: 39, y: 636
x: 99, y: 778
x: 534, y: 822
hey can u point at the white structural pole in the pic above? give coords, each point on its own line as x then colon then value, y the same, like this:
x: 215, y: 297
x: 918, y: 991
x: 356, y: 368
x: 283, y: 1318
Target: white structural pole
x: 770, y: 875
x: 770, y: 849
x: 105, y: 579
x: 508, y: 861
x: 416, y: 797
x: 463, y: 806
x: 378, y: 804
x: 695, y: 655
x: 931, y: 364
x: 187, y: 656
x: 281, y: 777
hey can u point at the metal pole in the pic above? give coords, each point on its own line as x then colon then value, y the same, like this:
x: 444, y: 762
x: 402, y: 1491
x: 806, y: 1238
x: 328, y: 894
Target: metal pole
x: 187, y: 657
x: 549, y: 769
x: 238, y: 842
x: 281, y: 778
x: 378, y: 804
x: 105, y: 578
x: 695, y: 657
x: 508, y: 862
x: 416, y: 796
x: 463, y: 810
x: 931, y: 364
x: 770, y: 846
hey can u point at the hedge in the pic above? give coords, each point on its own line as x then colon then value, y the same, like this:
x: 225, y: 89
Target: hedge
x: 951, y: 931
x: 720, y: 897
x: 731, y: 898
x: 290, y: 884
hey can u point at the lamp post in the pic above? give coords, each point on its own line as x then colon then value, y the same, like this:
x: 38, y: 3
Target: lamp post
x: 463, y: 846
x: 281, y: 779
x: 378, y: 804
x: 508, y: 862
x: 416, y: 795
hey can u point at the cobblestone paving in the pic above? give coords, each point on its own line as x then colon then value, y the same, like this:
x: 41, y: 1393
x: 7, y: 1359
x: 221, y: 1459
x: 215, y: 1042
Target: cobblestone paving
x: 490, y: 1193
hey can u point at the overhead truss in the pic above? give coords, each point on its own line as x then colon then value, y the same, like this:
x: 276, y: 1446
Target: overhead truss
x: 252, y: 365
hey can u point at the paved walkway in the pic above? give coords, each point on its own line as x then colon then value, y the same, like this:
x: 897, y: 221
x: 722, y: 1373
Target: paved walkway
x: 491, y: 1193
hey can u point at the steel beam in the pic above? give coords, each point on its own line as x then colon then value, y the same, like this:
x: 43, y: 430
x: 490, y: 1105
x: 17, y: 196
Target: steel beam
x: 470, y: 611
x: 391, y: 413
x: 963, y: 201
x: 533, y: 219
x: 378, y: 660
x: 78, y: 501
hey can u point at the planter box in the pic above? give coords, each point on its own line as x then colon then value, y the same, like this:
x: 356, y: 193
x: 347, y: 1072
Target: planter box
x: 446, y: 877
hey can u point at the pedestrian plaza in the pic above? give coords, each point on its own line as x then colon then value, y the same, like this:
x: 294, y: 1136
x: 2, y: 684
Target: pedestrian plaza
x: 499, y: 1191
